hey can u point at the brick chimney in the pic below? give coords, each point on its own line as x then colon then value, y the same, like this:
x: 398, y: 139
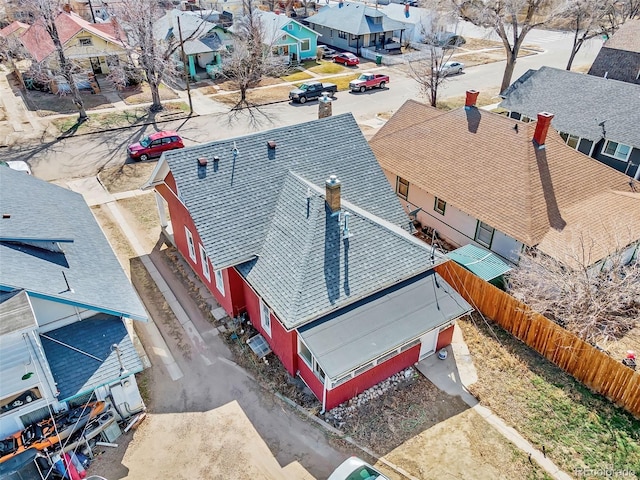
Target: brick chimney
x: 540, y: 135
x: 332, y: 193
x: 472, y: 97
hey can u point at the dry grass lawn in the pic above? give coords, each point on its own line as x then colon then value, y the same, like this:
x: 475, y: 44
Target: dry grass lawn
x: 129, y: 176
x: 261, y: 96
x: 547, y: 406
x: 142, y: 94
x: 51, y: 104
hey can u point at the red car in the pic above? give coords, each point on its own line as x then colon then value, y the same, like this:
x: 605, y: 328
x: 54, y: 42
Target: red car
x: 154, y: 144
x: 347, y: 59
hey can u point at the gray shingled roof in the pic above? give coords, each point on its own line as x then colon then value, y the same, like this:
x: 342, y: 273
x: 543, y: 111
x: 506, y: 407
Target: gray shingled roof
x: 76, y: 373
x: 362, y: 332
x: 583, y: 105
x: 356, y: 19
x: 232, y: 204
x: 617, y: 64
x: 316, y: 269
x: 15, y: 312
x: 41, y: 211
x: 192, y: 26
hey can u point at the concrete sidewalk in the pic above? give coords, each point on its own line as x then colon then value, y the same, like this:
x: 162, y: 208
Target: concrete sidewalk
x: 457, y: 372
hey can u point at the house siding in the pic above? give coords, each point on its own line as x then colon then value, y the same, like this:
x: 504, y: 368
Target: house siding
x: 455, y: 226
x: 303, y: 33
x: 180, y: 218
x: 629, y: 167
x: 330, y: 37
x: 282, y: 343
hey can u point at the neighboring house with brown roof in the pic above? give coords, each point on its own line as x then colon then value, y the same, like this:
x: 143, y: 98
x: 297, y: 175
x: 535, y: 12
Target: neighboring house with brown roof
x: 91, y: 45
x: 482, y: 178
x: 619, y: 57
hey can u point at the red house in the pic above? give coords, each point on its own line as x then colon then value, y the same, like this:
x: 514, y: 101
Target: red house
x: 310, y: 241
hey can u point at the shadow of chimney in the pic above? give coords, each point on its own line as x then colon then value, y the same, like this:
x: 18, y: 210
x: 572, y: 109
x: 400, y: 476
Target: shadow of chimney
x: 332, y: 239
x: 553, y: 212
x: 473, y: 118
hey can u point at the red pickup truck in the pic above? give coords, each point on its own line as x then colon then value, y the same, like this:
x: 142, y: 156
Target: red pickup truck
x: 367, y: 81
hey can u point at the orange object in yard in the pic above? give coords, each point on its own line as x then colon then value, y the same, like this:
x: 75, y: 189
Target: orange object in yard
x: 50, y: 431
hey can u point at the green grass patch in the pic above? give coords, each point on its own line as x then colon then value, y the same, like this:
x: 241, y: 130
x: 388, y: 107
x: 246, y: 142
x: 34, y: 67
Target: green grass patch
x: 309, y: 64
x: 296, y: 77
x: 342, y: 81
x: 576, y: 427
x: 327, y: 68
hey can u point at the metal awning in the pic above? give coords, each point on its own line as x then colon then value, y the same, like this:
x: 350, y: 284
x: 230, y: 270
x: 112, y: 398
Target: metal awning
x: 479, y: 261
x: 360, y: 333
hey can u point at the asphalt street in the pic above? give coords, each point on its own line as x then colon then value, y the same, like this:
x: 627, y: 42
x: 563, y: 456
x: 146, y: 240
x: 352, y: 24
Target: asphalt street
x: 86, y: 155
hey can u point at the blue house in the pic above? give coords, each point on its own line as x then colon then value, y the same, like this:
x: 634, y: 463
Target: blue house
x: 65, y: 308
x: 288, y: 38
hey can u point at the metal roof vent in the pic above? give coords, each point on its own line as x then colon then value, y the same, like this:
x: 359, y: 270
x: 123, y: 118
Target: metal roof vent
x: 202, y: 161
x: 271, y: 144
x: 6, y: 215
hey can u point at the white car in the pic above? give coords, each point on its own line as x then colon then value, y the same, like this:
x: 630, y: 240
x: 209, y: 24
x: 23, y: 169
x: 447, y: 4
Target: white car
x: 355, y: 469
x: 326, y: 51
x: 19, y: 165
x: 450, y: 68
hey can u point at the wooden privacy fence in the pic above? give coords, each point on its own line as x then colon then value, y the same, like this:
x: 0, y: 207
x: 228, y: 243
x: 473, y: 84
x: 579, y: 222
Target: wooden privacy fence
x: 587, y: 364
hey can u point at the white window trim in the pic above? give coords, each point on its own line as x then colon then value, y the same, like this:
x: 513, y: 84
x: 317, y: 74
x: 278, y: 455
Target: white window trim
x: 302, y: 43
x: 314, y: 366
x: 398, y: 183
x: 477, y: 237
x: 205, y: 263
x: 265, y: 321
x: 604, y: 148
x: 219, y: 280
x: 85, y: 42
x: 345, y: 377
x: 191, y: 245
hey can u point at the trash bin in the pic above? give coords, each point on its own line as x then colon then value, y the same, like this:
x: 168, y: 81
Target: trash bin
x: 378, y: 59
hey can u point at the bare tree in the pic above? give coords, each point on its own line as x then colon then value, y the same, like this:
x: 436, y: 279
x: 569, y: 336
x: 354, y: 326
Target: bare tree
x: 598, y: 302
x: 587, y: 19
x: 45, y: 13
x: 512, y: 20
x: 149, y: 51
x: 252, y: 56
x: 429, y: 72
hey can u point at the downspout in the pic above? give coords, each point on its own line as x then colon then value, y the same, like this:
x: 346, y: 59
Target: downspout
x: 324, y: 396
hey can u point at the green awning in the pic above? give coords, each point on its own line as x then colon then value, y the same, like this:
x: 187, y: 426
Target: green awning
x: 480, y: 262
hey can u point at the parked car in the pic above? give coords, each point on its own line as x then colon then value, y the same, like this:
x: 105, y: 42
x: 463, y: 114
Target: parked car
x: 450, y: 68
x: 326, y: 51
x: 19, y: 165
x: 311, y: 90
x: 346, y: 59
x: 154, y: 144
x: 367, y: 81
x: 355, y: 469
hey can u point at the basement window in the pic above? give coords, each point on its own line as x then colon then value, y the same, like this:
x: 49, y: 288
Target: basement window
x: 484, y: 234
x: 616, y: 150
x: 85, y: 42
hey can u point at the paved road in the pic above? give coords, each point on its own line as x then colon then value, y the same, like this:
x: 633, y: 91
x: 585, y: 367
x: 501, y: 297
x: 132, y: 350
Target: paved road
x: 85, y: 155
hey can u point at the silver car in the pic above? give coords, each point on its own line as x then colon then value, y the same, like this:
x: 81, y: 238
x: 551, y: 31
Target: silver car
x: 450, y: 68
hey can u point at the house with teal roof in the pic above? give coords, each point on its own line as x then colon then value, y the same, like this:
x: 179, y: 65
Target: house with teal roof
x: 288, y: 38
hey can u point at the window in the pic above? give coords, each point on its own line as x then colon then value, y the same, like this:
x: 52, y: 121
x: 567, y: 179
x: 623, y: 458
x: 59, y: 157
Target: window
x: 402, y: 187
x: 219, y: 281
x: 265, y: 317
x: 331, y: 33
x: 85, y: 42
x: 318, y: 370
x: 571, y: 140
x: 290, y: 27
x: 305, y: 45
x: 342, y: 35
x: 616, y: 150
x: 440, y: 205
x: 305, y: 353
x: 191, y: 245
x: 484, y: 234
x: 205, y: 263
x: 18, y: 400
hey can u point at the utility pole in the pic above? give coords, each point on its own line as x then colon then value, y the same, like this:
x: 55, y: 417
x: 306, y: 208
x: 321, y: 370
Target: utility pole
x: 92, y: 14
x: 186, y: 72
